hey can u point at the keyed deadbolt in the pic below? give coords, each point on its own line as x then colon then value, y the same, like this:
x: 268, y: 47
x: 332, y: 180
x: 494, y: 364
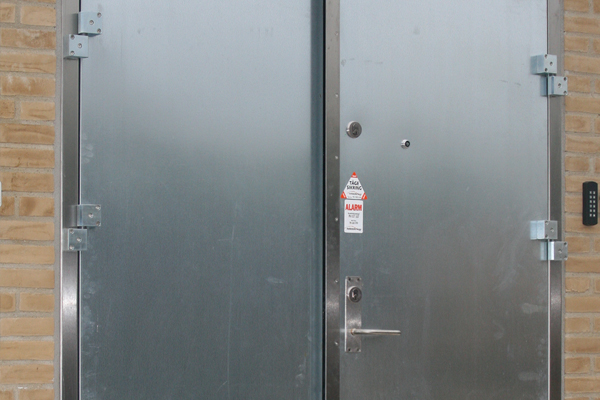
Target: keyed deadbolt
x: 354, y: 294
x: 354, y: 129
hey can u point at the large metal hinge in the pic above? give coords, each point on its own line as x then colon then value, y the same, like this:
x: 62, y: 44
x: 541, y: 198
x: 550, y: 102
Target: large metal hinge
x: 89, y: 23
x: 547, y: 232
x: 86, y: 216
x: 546, y: 65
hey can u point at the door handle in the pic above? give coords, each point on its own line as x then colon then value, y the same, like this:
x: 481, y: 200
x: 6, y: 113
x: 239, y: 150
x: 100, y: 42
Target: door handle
x: 353, y: 331
x: 374, y: 332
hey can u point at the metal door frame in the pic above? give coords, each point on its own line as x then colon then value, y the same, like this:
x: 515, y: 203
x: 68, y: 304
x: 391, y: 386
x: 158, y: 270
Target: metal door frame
x: 69, y: 268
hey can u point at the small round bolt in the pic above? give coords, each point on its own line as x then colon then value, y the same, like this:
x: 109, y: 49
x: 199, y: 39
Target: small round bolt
x: 72, y: 37
x: 91, y: 22
x: 99, y: 31
x: 97, y: 223
x: 90, y: 215
x: 545, y: 55
x: 72, y: 53
x: 551, y: 63
x: 71, y: 231
x: 97, y: 207
x: 71, y: 247
x: 545, y: 69
x: 99, y: 15
x: 79, y: 45
x: 78, y: 240
x: 405, y: 144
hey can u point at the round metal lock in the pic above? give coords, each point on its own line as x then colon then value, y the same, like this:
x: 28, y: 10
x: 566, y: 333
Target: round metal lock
x: 354, y: 129
x: 354, y: 294
x: 405, y: 144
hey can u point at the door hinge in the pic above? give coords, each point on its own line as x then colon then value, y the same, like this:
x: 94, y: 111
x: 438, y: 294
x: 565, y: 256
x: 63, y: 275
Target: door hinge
x: 547, y: 232
x: 86, y: 216
x: 547, y: 66
x: 89, y: 23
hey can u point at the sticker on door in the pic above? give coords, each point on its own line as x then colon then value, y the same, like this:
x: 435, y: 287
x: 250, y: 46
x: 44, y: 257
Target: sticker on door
x: 353, y: 189
x: 353, y: 216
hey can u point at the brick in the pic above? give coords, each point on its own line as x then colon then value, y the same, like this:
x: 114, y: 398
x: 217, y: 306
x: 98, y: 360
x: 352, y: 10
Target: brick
x: 583, y: 264
x: 35, y: 15
x: 7, y: 302
x: 28, y: 278
x: 577, y: 325
x: 575, y: 123
x: 582, y: 25
x: 36, y: 302
x: 26, y: 158
x: 582, y: 385
x: 574, y: 183
x: 26, y: 230
x: 573, y: 204
x: 577, y: 365
x: 26, y: 373
x: 582, y: 304
x: 583, y: 144
x: 25, y: 182
x: 38, y: 110
x: 577, y: 5
x: 597, y: 286
x: 576, y: 43
x: 27, y: 86
x: 36, y: 206
x: 7, y: 209
x: 596, y: 6
x: 577, y: 164
x: 27, y: 350
x: 28, y: 62
x: 41, y: 394
x: 577, y: 285
x: 27, y: 327
x: 7, y: 12
x: 28, y: 38
x: 578, y: 244
x: 582, y: 64
x: 27, y: 134
x: 9, y: 396
x: 7, y: 108
x: 596, y: 324
x: 580, y: 84
x: 574, y: 224
x: 582, y: 345
x: 23, y: 254
x: 597, y: 244
x: 583, y: 104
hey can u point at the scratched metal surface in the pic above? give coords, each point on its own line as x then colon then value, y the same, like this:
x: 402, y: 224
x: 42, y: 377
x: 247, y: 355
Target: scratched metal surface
x: 199, y: 139
x: 445, y: 255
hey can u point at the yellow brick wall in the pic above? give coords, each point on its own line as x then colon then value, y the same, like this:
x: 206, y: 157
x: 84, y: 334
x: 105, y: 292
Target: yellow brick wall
x: 28, y: 256
x: 582, y: 162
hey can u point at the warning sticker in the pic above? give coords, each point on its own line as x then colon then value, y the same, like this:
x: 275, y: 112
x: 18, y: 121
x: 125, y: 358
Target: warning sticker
x: 354, y: 190
x: 353, y: 216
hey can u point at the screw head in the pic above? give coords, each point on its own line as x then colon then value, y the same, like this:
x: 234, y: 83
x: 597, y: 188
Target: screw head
x: 72, y: 53
x: 405, y: 144
x: 99, y: 15
x: 91, y: 22
x: 99, y: 31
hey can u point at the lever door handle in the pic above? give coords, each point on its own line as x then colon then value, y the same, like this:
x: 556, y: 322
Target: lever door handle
x: 374, y: 332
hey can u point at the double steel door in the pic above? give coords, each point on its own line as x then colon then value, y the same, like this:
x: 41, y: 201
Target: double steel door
x: 213, y: 134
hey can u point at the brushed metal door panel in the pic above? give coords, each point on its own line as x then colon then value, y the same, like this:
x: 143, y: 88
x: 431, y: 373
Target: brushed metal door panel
x: 200, y: 138
x: 445, y: 255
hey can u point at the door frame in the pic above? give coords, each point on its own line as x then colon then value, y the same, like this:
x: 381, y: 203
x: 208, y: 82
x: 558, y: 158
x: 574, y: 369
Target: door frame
x: 70, y: 182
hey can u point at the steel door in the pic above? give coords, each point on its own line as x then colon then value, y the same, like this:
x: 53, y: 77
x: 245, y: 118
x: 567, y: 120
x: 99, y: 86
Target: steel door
x: 201, y: 141
x: 445, y: 253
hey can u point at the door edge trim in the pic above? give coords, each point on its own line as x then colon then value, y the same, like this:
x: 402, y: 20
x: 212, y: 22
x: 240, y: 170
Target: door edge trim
x: 332, y: 201
x: 556, y: 108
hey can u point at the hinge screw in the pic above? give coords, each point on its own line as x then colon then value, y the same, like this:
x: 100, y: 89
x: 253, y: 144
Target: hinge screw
x: 91, y: 22
x: 72, y: 37
x: 99, y: 30
x: 71, y: 247
x: 99, y: 15
x: 79, y: 240
x: 79, y: 45
x: 72, y: 53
